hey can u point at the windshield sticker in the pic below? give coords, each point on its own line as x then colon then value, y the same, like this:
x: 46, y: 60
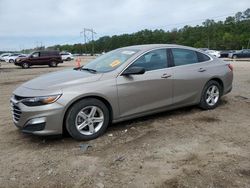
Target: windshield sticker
x: 115, y: 63
x: 128, y: 52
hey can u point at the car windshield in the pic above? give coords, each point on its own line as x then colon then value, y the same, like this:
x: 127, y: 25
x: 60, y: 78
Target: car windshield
x: 110, y: 61
x: 30, y: 54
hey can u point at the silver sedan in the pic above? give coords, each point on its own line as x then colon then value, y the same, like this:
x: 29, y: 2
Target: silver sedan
x: 123, y: 84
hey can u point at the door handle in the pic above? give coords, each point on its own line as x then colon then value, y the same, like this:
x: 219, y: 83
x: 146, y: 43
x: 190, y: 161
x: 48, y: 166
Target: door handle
x: 201, y: 70
x: 166, y: 75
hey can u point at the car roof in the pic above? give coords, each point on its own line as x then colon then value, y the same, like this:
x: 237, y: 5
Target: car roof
x: 146, y: 47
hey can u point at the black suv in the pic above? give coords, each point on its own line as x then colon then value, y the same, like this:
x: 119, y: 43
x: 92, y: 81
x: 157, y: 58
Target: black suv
x: 50, y: 58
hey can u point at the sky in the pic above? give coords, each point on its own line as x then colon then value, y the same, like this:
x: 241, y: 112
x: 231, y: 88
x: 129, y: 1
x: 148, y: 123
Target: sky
x: 30, y: 23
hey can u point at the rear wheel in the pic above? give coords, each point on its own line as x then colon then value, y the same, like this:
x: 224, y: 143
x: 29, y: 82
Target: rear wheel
x: 234, y: 56
x: 53, y: 64
x: 25, y: 65
x: 211, y: 95
x: 87, y: 119
x: 11, y: 61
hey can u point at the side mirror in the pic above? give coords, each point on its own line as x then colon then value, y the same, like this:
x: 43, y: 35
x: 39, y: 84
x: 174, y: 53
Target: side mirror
x: 133, y: 70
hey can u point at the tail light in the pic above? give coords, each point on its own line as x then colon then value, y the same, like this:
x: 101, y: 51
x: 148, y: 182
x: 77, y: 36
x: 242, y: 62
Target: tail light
x: 230, y: 67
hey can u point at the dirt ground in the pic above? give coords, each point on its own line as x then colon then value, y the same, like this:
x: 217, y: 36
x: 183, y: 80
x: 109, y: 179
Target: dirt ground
x: 181, y: 148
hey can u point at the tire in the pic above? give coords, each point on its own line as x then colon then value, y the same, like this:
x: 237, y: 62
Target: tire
x: 53, y: 64
x: 11, y: 61
x: 80, y: 115
x: 68, y: 59
x: 25, y: 65
x: 234, y: 56
x: 213, y: 90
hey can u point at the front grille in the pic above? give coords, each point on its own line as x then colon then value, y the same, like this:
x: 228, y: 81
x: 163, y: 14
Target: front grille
x: 16, y: 112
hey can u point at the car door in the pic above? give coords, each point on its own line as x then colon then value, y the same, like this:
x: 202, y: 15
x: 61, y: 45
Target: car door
x: 45, y: 58
x: 248, y: 53
x: 149, y: 91
x: 34, y: 59
x: 190, y: 73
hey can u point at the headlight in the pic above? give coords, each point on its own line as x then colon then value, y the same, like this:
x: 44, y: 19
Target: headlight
x: 38, y: 101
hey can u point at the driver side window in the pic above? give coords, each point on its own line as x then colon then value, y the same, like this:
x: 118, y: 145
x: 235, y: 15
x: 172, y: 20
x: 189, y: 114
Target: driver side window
x: 36, y: 54
x: 156, y: 59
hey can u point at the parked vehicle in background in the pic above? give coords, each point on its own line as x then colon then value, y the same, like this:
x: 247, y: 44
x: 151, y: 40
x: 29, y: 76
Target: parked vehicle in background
x: 240, y: 54
x: 4, y: 56
x: 76, y: 55
x: 84, y: 101
x: 203, y: 49
x: 225, y: 53
x: 66, y: 56
x: 50, y: 58
x: 13, y: 57
x: 213, y: 52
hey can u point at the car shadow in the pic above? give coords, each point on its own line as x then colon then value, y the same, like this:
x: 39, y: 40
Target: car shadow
x: 141, y: 120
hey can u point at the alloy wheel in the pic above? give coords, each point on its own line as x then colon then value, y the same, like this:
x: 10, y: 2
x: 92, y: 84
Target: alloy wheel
x: 89, y: 120
x: 212, y: 95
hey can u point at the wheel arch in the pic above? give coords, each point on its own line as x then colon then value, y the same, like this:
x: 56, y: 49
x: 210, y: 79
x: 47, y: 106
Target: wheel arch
x: 105, y: 101
x: 30, y: 64
x: 219, y: 81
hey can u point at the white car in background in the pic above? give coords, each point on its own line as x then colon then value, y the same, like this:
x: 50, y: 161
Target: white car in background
x: 4, y: 56
x: 66, y: 56
x: 11, y: 58
x: 213, y: 52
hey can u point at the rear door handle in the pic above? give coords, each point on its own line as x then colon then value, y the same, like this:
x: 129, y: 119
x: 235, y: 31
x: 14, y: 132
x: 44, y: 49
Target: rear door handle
x: 166, y: 75
x: 201, y: 70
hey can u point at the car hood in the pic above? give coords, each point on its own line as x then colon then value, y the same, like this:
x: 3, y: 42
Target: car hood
x: 61, y: 79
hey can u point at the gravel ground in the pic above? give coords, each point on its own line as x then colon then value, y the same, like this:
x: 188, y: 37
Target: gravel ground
x: 187, y: 147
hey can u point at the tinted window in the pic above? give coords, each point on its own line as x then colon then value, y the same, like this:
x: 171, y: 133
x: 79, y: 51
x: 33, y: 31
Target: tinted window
x: 202, y: 57
x: 153, y: 60
x: 246, y: 51
x: 184, y: 56
x: 44, y: 54
x: 49, y: 53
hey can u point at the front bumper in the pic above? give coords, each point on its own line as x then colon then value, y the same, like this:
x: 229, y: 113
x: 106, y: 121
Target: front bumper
x: 17, y: 64
x: 38, y: 120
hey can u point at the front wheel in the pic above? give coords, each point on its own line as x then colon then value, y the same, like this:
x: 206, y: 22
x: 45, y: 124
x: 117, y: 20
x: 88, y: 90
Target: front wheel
x: 210, y: 95
x: 87, y: 119
x: 25, y: 65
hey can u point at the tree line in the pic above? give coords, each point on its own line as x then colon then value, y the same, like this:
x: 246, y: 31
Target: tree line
x: 232, y: 33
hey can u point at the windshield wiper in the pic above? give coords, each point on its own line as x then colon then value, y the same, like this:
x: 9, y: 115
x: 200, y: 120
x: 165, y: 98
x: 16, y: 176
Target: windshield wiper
x: 90, y: 70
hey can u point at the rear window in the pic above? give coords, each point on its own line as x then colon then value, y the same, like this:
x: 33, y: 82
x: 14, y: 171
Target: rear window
x: 202, y: 57
x: 49, y: 53
x: 64, y: 53
x: 184, y: 56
